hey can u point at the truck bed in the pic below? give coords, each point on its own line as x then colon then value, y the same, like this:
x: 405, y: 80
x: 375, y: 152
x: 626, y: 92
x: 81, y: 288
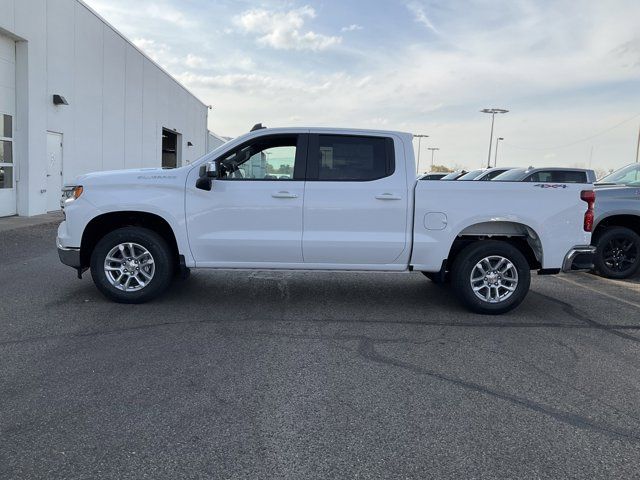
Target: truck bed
x: 550, y: 216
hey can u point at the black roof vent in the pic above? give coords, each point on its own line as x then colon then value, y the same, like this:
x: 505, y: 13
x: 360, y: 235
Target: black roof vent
x: 257, y: 126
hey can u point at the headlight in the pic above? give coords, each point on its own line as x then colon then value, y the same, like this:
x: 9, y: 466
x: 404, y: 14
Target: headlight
x: 69, y: 194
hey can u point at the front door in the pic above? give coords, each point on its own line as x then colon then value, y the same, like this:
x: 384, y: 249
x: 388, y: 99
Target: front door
x: 252, y: 216
x: 356, y: 202
x: 54, y: 170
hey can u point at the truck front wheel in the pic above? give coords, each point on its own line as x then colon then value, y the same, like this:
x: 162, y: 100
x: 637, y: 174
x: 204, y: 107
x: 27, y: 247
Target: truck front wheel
x: 491, y: 277
x: 132, y: 265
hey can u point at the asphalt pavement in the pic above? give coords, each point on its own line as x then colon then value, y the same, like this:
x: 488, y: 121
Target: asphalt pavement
x: 311, y: 375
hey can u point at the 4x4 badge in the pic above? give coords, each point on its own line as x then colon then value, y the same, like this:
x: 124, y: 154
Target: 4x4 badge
x: 550, y: 185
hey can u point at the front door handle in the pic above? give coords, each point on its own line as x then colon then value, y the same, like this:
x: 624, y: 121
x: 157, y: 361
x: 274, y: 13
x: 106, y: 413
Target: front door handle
x: 284, y: 195
x: 388, y: 196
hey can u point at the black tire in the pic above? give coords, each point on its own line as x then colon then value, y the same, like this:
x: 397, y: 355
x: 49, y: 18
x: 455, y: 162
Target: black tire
x: 617, y: 253
x: 163, y: 261
x: 466, y: 262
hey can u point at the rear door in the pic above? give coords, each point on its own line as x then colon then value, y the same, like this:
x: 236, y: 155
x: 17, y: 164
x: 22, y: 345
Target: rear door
x: 355, y: 202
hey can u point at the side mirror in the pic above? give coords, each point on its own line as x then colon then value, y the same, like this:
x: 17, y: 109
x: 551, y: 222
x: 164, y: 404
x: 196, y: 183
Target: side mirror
x: 204, y: 183
x: 211, y: 169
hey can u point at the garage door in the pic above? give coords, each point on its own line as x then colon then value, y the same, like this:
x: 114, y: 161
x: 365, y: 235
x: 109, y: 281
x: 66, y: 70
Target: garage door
x: 7, y: 126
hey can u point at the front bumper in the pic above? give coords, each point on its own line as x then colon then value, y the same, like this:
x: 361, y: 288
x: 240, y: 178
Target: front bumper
x: 579, y: 259
x: 69, y: 256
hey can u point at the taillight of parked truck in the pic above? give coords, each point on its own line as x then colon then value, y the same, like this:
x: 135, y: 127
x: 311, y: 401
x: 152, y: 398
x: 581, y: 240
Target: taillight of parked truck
x: 588, y: 196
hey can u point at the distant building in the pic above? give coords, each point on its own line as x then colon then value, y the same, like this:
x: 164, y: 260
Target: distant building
x: 214, y: 141
x: 76, y: 96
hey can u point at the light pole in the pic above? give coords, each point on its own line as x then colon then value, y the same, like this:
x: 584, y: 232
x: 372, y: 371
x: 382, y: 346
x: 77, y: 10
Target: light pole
x: 433, y: 151
x: 493, y: 112
x: 638, y: 147
x: 495, y: 161
x: 419, y: 137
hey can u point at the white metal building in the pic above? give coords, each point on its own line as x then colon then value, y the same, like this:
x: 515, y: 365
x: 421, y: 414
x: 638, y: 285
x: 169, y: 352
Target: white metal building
x: 214, y: 141
x: 76, y: 96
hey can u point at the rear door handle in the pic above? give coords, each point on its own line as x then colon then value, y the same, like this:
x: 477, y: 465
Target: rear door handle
x: 388, y: 196
x: 284, y: 195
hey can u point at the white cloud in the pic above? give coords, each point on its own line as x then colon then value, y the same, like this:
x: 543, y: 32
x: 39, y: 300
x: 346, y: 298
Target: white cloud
x: 284, y: 30
x: 168, y: 14
x: 159, y: 52
x: 420, y: 15
x: 352, y: 28
x: 193, y: 61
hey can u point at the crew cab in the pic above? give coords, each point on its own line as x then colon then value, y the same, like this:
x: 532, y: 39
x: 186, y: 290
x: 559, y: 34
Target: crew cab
x: 321, y: 199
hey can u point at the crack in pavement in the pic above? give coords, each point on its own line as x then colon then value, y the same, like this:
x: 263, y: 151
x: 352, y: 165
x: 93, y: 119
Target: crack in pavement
x: 367, y: 350
x: 573, y: 313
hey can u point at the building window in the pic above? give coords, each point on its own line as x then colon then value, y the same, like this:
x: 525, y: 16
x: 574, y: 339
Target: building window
x: 6, y: 151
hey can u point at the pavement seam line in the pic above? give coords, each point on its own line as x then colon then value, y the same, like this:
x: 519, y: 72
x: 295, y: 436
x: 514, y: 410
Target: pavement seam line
x: 618, y: 299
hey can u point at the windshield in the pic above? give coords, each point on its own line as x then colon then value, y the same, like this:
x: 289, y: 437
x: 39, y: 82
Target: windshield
x: 451, y: 176
x: 514, y: 175
x: 629, y: 175
x: 472, y: 175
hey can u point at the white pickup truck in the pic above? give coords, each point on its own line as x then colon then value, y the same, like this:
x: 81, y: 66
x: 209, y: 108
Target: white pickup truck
x: 321, y: 199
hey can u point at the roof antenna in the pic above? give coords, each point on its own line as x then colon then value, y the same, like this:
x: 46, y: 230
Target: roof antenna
x: 257, y: 126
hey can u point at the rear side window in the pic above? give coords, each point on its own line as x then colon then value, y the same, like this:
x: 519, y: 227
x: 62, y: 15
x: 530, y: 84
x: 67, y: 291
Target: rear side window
x: 557, y: 176
x: 350, y: 158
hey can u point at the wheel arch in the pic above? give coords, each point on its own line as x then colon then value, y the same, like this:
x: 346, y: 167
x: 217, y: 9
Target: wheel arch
x: 630, y: 221
x: 520, y: 235
x: 100, y: 225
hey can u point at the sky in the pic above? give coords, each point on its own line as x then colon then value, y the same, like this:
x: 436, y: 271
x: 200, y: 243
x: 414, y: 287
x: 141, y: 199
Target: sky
x: 567, y: 71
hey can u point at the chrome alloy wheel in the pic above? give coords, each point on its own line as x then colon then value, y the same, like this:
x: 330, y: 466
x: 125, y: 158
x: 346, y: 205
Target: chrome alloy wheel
x: 129, y: 267
x: 494, y: 279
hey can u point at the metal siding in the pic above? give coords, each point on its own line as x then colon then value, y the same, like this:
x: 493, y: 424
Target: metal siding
x: 88, y: 117
x: 133, y: 109
x: 113, y: 98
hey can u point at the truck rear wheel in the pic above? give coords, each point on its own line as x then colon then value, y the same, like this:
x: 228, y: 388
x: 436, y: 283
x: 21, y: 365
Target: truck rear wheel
x: 491, y: 277
x: 132, y: 265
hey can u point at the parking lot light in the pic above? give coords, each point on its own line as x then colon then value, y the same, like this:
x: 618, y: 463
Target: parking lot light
x: 493, y: 112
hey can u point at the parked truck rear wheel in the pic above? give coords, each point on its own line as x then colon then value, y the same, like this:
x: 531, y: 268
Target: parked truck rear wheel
x: 132, y: 265
x: 618, y: 253
x: 491, y: 277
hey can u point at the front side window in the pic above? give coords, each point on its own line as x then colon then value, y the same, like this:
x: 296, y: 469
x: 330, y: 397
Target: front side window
x: 350, y: 158
x: 271, y: 158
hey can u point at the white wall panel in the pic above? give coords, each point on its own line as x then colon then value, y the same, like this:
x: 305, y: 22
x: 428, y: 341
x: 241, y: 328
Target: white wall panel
x: 133, y: 109
x: 88, y: 97
x: 113, y: 98
x: 150, y: 130
x: 7, y: 15
x: 31, y: 105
